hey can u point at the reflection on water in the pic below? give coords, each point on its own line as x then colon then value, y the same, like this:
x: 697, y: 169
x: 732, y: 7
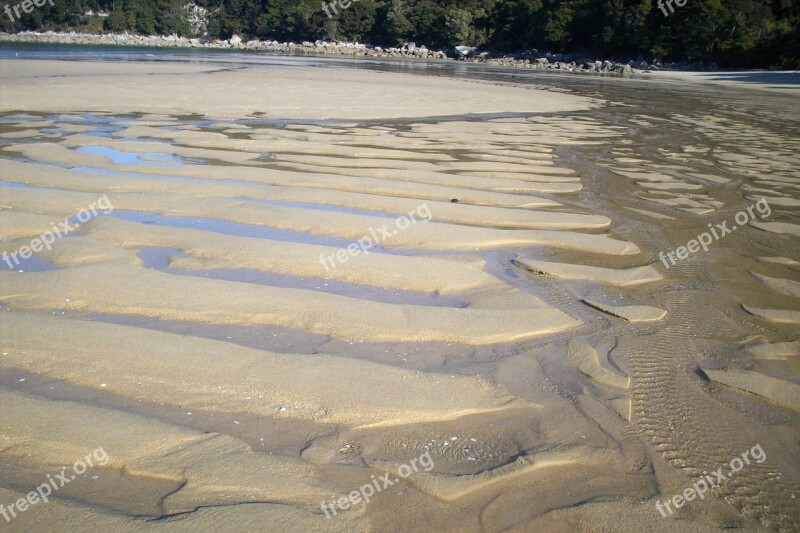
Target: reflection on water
x: 17, y: 263
x: 323, y: 207
x: 228, y: 228
x: 119, y: 157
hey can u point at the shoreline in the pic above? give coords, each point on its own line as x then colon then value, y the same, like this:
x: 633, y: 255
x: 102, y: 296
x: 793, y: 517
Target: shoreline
x: 774, y: 81
x: 529, y: 59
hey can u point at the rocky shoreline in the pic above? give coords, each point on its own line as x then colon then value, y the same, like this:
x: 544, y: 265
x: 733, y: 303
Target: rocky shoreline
x: 530, y: 59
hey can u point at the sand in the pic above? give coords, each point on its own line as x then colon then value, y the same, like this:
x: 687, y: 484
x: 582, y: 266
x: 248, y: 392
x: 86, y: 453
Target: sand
x: 777, y: 390
x: 229, y: 336
x: 632, y: 313
x: 149, y: 293
x: 292, y: 93
x: 777, y: 82
x: 619, y: 277
x: 587, y: 360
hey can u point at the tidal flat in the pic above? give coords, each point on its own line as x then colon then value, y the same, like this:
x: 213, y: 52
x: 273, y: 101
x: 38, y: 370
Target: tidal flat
x: 262, y: 283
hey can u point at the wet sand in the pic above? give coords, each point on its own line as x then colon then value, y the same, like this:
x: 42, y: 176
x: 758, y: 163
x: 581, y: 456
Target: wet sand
x: 221, y: 329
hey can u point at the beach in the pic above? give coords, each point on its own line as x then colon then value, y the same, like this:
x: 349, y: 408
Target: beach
x: 262, y: 284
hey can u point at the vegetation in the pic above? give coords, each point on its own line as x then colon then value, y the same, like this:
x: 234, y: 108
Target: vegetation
x: 740, y: 33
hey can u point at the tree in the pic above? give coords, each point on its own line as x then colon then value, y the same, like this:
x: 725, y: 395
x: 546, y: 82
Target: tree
x: 116, y: 22
x: 513, y: 23
x: 396, y: 26
x: 459, y: 28
x: 427, y: 18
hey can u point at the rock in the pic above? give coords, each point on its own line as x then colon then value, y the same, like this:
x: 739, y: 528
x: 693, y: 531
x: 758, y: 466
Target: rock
x: 622, y: 69
x: 465, y: 51
x: 235, y: 40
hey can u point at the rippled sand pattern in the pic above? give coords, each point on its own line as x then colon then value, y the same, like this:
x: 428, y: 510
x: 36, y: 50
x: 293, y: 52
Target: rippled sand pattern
x: 523, y: 330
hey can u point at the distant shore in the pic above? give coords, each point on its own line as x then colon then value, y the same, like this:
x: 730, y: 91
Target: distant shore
x: 527, y: 59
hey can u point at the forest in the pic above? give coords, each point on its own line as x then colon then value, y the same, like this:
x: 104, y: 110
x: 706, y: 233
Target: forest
x: 729, y: 33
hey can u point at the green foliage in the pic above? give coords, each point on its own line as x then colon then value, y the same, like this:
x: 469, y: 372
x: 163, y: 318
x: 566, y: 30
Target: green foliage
x: 356, y: 23
x: 171, y: 18
x: 745, y: 33
x: 116, y: 22
x: 517, y: 25
x: 396, y: 26
x: 459, y: 29
x: 427, y: 18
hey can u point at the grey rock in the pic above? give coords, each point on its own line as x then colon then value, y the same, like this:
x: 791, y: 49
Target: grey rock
x: 465, y: 51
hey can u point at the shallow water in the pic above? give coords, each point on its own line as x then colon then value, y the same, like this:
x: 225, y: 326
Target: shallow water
x: 335, y: 208
x: 131, y: 158
x: 158, y: 258
x: 34, y: 263
x: 227, y: 228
